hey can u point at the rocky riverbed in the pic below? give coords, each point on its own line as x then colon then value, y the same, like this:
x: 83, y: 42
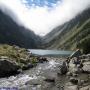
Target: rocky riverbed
x: 79, y: 75
x: 41, y: 77
x: 54, y: 74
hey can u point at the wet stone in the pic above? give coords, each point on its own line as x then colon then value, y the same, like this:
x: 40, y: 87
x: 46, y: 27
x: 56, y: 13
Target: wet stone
x: 75, y: 75
x: 69, y: 74
x: 86, y: 68
x: 74, y: 80
x: 85, y: 88
x: 74, y: 87
x: 50, y: 80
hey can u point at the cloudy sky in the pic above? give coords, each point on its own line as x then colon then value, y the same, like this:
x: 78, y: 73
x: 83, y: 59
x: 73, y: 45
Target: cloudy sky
x: 42, y: 16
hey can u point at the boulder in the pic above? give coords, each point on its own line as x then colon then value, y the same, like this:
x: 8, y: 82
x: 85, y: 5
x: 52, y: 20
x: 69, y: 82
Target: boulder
x: 86, y: 68
x: 75, y: 75
x: 80, y: 65
x: 8, y: 67
x: 50, y: 80
x: 85, y: 60
x: 83, y: 56
x: 69, y: 74
x: 85, y: 88
x: 74, y: 80
x: 88, y: 56
x: 42, y: 59
x: 74, y: 87
x: 63, y: 68
x: 28, y: 66
x: 81, y: 82
x: 76, y: 70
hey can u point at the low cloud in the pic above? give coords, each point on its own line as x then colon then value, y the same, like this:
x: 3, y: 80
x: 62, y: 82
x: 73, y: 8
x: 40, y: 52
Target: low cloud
x: 42, y: 19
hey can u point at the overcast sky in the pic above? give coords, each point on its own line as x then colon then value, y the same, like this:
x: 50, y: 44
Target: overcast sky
x: 42, y: 16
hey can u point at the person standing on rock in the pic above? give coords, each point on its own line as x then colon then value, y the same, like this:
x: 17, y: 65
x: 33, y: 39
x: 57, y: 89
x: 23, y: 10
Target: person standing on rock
x: 76, y: 56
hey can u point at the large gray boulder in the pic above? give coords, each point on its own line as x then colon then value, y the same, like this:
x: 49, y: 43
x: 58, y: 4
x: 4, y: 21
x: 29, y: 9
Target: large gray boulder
x: 63, y: 68
x: 7, y: 68
x: 86, y: 67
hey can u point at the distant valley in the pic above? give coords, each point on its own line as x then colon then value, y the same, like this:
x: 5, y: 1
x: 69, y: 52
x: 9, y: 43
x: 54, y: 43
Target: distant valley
x: 69, y: 36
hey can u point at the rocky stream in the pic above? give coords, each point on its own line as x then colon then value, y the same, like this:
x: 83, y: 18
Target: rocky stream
x: 47, y: 76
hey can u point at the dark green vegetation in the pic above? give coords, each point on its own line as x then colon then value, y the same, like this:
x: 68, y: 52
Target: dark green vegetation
x: 16, y: 54
x: 14, y: 60
x: 13, y: 34
x: 71, y: 35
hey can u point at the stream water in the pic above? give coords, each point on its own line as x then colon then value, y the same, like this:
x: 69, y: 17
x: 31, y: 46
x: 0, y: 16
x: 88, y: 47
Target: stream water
x: 34, y: 79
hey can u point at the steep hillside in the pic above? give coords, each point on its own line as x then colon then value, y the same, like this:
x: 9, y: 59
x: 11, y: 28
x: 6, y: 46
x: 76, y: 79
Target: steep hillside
x: 13, y: 34
x: 71, y: 35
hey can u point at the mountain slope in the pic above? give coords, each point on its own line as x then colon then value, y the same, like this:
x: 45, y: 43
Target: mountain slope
x: 71, y: 35
x: 13, y: 34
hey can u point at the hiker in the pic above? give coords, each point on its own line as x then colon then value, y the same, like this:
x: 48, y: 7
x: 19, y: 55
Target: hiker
x: 76, y: 56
